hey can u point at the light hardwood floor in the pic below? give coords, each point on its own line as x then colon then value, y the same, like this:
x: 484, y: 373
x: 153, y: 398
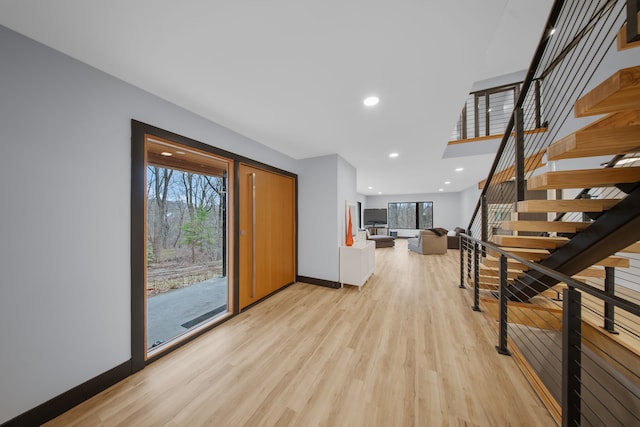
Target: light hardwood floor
x: 407, y: 350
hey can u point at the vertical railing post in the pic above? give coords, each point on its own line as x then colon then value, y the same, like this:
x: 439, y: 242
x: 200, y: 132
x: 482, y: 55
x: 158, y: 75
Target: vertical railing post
x: 461, y: 242
x: 469, y: 252
x: 610, y: 289
x: 484, y: 221
x: 463, y: 121
x: 632, y: 20
x: 519, y: 154
x: 476, y: 278
x: 487, y: 115
x: 476, y: 124
x: 536, y: 95
x: 571, y: 356
x: 503, y: 316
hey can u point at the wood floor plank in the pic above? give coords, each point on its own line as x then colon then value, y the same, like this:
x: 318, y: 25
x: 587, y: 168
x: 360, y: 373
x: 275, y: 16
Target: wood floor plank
x: 407, y: 350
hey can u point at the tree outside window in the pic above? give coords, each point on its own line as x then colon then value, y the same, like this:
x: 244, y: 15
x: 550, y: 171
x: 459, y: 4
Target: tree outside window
x: 410, y: 215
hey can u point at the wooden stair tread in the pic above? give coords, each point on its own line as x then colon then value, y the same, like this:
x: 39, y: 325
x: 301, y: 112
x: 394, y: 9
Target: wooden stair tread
x: 575, y: 205
x: 617, y: 133
x: 548, y: 226
x: 529, y: 254
x: 495, y: 271
x: 621, y: 91
x: 491, y: 261
x: 594, y: 272
x: 531, y: 163
x: 614, y: 261
x: 632, y: 249
x: 494, y: 263
x: 584, y: 178
x: 492, y: 280
x: 530, y: 241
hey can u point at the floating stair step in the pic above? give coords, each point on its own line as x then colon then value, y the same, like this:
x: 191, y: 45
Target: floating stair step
x: 614, y: 261
x: 530, y: 241
x: 621, y: 91
x: 545, y: 226
x: 576, y: 205
x: 633, y: 249
x: 490, y: 282
x: 584, y: 178
x: 552, y: 293
x: 617, y: 133
x: 529, y: 254
x: 491, y: 261
x: 487, y: 286
x: 495, y: 272
x: 593, y: 272
x: 526, y: 314
x: 531, y: 163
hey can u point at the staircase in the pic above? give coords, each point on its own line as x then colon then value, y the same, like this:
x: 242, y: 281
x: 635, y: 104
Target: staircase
x: 574, y: 247
x: 576, y: 338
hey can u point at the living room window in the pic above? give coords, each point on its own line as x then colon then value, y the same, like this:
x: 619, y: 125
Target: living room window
x: 410, y: 215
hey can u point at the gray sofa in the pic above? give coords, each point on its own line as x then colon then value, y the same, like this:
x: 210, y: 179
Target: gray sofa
x: 429, y: 242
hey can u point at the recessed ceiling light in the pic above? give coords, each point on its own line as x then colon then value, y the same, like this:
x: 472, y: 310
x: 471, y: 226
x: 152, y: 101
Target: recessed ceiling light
x: 440, y: 189
x: 166, y: 154
x: 459, y: 169
x: 447, y: 182
x: 371, y: 101
x: 379, y: 192
x: 393, y: 155
x: 370, y: 188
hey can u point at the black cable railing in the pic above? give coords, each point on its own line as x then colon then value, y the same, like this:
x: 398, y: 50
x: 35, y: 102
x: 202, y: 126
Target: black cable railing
x: 588, y: 371
x: 581, y: 334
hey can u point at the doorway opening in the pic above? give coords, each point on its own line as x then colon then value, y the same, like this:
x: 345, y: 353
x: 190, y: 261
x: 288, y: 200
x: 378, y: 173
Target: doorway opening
x: 187, y: 219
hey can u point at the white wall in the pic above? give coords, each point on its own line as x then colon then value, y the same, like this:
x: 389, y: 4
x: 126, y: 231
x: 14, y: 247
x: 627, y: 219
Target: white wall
x: 65, y: 186
x: 468, y: 201
x: 324, y: 185
x: 346, y: 192
x: 317, y: 218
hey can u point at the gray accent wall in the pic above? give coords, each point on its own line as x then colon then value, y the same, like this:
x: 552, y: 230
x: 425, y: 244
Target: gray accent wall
x: 65, y: 184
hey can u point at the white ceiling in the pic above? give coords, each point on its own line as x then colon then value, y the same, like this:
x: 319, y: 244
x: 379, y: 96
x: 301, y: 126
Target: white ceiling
x: 292, y: 74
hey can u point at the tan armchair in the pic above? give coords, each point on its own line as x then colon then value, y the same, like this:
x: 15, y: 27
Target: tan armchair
x: 429, y: 242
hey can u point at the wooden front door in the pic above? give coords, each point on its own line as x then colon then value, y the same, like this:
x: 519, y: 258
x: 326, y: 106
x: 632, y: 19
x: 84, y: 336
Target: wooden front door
x: 267, y: 233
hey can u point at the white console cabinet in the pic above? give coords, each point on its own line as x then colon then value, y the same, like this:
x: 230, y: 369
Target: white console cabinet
x: 357, y: 262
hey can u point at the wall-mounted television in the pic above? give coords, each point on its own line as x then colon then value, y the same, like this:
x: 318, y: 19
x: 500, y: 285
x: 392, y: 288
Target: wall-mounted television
x: 375, y: 216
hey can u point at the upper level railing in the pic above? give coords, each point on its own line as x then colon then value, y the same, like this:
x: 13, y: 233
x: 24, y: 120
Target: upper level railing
x: 486, y: 112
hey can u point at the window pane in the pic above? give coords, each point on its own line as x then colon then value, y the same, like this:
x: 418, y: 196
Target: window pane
x: 425, y: 215
x: 186, y: 284
x: 402, y: 215
x: 410, y: 215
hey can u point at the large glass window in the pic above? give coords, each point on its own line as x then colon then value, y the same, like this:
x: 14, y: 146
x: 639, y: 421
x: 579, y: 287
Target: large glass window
x: 410, y: 215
